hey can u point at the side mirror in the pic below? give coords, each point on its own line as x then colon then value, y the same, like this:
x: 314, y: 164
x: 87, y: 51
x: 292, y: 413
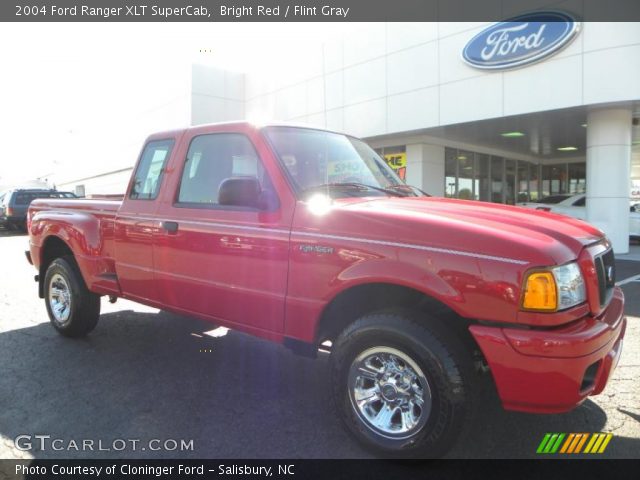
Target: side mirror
x: 268, y: 201
x: 239, y: 192
x: 246, y: 192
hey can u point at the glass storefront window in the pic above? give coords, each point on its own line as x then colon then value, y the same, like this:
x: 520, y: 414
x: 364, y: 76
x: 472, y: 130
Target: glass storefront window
x: 577, y: 177
x: 534, y: 183
x: 523, y: 181
x: 465, y: 175
x: 477, y: 176
x: 509, y: 186
x: 450, y: 173
x: 497, y: 179
x: 554, y: 179
x: 482, y: 181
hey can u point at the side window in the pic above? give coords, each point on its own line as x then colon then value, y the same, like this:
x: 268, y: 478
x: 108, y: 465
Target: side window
x: 146, y: 183
x: 213, y: 158
x: 580, y: 202
x: 23, y: 199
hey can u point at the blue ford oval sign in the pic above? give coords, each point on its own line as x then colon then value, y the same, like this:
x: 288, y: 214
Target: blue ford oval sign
x: 520, y: 40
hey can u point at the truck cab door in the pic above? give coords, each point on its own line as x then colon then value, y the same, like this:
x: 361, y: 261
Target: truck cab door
x: 223, y: 246
x: 135, y: 225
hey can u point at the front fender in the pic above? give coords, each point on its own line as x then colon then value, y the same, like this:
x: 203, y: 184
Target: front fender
x: 397, y: 273
x: 315, y: 282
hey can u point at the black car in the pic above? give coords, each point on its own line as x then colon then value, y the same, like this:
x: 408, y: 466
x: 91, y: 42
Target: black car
x: 15, y: 203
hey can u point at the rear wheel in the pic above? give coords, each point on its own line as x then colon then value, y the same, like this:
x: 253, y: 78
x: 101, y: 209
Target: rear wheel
x: 402, y: 386
x: 72, y: 308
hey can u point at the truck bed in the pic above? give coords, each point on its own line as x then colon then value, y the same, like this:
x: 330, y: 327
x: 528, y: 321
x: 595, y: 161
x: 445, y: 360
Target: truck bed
x: 88, y: 227
x: 95, y: 206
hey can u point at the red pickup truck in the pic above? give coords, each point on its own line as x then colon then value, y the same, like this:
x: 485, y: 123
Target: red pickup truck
x: 306, y: 237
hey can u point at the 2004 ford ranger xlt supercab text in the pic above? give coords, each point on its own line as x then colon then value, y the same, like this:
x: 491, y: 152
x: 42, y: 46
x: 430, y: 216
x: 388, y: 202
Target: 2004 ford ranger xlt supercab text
x: 305, y: 237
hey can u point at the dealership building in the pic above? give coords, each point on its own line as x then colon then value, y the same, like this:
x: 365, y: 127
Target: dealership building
x: 495, y: 112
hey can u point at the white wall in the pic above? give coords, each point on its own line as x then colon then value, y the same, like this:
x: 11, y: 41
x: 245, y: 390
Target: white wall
x: 387, y: 78
x: 216, y: 95
x: 115, y: 183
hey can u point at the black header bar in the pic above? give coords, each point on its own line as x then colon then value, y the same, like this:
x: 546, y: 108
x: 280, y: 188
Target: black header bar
x: 307, y: 10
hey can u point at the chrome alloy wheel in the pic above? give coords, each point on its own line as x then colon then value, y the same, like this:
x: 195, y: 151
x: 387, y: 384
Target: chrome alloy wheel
x: 60, y: 299
x: 389, y: 392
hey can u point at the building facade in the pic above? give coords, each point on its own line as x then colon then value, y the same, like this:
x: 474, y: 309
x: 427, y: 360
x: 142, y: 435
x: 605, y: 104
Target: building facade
x: 564, y: 123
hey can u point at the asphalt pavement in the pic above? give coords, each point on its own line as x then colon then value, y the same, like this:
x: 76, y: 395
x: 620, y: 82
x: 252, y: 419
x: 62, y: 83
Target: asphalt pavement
x: 165, y: 388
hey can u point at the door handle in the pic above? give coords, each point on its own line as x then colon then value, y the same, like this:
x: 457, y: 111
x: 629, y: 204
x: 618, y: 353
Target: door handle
x: 170, y: 227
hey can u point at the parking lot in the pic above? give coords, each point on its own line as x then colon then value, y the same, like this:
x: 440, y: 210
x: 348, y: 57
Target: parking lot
x: 148, y: 375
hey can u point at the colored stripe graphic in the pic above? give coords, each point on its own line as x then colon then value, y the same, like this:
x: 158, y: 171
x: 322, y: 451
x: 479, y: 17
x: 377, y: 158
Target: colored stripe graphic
x: 551, y: 443
x: 543, y: 443
x: 572, y: 443
x: 592, y: 441
x: 567, y: 443
x: 556, y: 445
x: 583, y: 439
x: 598, y: 442
x: 605, y: 443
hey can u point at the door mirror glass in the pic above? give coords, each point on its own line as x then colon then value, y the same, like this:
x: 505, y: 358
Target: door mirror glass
x: 239, y: 192
x: 268, y: 201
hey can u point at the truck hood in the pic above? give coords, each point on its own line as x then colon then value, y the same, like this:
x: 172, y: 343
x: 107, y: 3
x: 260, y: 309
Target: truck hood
x: 488, y: 228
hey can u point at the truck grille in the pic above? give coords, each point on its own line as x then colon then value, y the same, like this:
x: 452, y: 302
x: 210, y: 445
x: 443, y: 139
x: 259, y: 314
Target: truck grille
x: 606, y: 269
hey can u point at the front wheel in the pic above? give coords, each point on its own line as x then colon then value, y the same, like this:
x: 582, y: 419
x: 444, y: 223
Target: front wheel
x: 401, y: 385
x: 72, y: 308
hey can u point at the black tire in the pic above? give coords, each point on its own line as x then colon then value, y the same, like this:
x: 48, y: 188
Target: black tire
x: 439, y: 357
x: 83, y: 311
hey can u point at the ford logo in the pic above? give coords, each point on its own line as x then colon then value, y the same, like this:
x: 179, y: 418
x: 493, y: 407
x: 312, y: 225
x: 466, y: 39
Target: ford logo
x: 520, y: 40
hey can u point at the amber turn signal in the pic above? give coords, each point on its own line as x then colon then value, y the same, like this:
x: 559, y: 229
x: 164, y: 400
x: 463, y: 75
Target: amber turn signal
x: 540, y: 292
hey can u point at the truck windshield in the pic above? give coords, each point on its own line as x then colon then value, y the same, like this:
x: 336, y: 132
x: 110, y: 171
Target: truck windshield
x: 338, y: 165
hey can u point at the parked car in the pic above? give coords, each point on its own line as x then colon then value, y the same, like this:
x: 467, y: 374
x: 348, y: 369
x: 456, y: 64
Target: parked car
x: 15, y: 203
x: 545, y: 201
x: 575, y: 206
x: 308, y: 238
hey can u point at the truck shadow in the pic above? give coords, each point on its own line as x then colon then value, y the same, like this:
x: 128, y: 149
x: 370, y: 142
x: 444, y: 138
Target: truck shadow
x: 158, y: 376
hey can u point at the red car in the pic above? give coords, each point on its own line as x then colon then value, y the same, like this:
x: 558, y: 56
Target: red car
x: 306, y: 237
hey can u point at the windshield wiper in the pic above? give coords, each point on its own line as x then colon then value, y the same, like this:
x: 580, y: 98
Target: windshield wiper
x: 406, y: 187
x: 359, y: 186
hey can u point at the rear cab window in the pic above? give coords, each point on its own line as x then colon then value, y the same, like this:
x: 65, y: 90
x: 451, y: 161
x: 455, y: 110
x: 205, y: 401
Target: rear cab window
x: 148, y: 176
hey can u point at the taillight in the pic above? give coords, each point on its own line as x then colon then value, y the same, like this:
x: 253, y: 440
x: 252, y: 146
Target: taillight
x: 544, y: 209
x: 9, y: 212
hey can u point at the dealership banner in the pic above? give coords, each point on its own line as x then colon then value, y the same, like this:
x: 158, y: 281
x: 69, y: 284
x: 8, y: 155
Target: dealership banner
x: 302, y: 10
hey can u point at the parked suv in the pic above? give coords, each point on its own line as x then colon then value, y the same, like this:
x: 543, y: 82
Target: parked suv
x: 15, y: 203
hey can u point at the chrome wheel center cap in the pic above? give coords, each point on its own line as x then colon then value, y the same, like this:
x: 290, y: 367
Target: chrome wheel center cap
x: 389, y: 392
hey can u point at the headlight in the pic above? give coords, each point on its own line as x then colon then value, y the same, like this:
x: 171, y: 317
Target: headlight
x: 554, y: 289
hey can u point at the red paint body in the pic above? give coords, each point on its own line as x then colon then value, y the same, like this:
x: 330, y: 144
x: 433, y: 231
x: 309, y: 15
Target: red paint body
x: 250, y: 270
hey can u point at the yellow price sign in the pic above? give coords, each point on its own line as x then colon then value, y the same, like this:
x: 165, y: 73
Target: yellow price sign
x: 396, y: 160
